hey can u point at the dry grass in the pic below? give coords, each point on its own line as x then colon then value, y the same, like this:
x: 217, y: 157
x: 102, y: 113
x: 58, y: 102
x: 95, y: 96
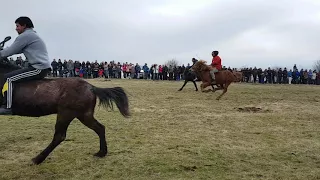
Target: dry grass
x: 254, y: 132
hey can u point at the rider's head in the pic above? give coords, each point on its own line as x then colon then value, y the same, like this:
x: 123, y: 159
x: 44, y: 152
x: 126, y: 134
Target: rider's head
x: 215, y: 53
x: 23, y: 23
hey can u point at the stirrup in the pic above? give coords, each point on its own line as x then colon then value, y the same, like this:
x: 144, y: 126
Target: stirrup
x: 5, y: 111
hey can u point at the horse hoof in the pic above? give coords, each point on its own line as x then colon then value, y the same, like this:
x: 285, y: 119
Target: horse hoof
x: 179, y: 89
x: 37, y: 161
x: 100, y: 154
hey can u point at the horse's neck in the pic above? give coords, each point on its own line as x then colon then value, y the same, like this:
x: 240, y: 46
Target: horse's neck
x: 201, y: 75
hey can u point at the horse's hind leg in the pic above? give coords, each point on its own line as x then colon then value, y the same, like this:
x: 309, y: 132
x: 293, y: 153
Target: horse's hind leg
x: 89, y: 121
x: 185, y: 82
x: 63, y: 120
x: 204, y: 85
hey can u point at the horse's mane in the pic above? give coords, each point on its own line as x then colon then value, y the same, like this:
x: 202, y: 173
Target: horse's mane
x: 201, y: 66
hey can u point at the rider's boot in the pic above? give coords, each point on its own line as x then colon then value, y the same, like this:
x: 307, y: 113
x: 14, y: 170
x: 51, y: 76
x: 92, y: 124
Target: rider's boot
x: 3, y: 109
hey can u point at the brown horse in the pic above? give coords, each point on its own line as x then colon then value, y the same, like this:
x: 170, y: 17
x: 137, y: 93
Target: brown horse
x: 223, y: 78
x: 69, y: 98
x: 238, y: 76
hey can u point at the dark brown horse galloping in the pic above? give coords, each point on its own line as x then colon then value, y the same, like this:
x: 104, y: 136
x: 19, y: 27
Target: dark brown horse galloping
x: 223, y: 78
x: 69, y: 98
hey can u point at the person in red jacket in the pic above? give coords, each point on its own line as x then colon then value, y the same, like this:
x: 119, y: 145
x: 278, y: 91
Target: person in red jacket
x: 216, y: 64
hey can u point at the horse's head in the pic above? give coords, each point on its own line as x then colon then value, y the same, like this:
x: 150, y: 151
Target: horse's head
x: 200, y: 66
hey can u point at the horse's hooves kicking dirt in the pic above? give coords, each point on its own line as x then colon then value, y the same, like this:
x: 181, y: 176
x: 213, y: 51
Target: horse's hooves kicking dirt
x: 206, y: 91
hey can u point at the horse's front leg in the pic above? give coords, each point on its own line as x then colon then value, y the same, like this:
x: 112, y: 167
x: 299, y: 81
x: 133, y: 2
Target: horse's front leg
x: 204, y: 85
x: 185, y: 82
x: 195, y: 85
x: 63, y: 121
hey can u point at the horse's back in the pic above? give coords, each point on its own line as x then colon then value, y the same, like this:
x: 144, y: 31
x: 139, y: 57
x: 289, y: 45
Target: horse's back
x: 50, y: 85
x: 226, y: 76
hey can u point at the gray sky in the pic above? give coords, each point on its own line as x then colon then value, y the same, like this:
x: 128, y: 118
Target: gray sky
x: 247, y: 33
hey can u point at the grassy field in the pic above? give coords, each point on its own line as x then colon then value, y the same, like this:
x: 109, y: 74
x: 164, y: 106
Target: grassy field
x: 253, y: 132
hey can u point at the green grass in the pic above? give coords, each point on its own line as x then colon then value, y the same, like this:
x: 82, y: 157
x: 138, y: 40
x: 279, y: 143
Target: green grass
x: 178, y: 135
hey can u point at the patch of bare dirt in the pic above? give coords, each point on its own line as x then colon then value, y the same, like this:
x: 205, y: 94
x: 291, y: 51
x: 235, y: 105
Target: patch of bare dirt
x: 252, y: 109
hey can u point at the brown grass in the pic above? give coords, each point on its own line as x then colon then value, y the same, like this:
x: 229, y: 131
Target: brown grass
x: 253, y: 132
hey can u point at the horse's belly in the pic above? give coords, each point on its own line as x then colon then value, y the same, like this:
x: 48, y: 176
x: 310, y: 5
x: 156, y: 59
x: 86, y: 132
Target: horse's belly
x: 34, y: 101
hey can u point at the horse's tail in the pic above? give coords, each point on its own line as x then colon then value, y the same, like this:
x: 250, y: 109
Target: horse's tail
x: 117, y: 95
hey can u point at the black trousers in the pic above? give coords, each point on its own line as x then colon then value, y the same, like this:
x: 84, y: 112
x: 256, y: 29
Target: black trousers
x: 21, y: 75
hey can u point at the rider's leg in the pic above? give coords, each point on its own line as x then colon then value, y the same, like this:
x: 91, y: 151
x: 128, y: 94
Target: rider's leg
x: 212, y: 74
x: 214, y: 70
x: 19, y: 75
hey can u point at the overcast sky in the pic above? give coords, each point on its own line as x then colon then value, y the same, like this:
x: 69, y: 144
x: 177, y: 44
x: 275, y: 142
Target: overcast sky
x: 258, y: 33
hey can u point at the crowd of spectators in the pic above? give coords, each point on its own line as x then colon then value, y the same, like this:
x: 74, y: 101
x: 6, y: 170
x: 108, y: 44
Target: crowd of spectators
x: 112, y: 69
